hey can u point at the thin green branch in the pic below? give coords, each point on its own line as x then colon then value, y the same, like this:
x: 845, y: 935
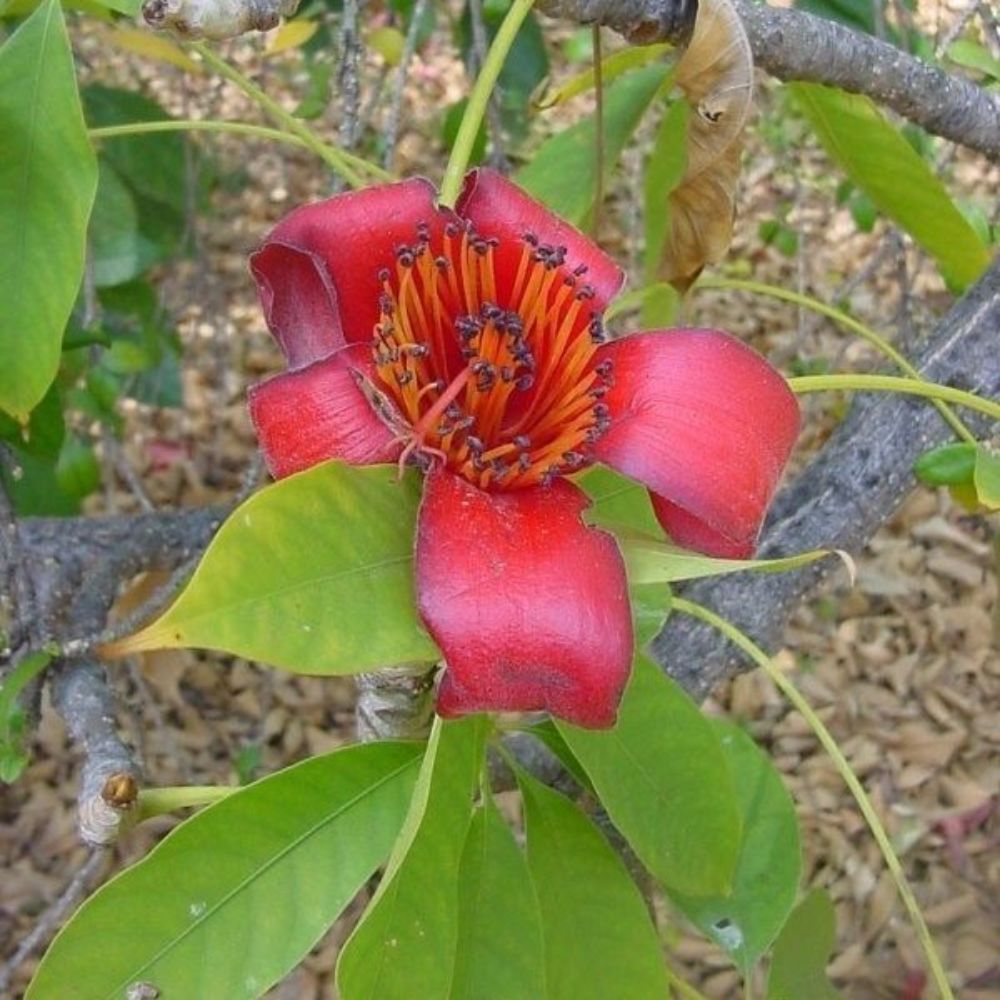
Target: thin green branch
x: 829, y: 744
x: 461, y: 152
x: 681, y: 986
x: 239, y: 128
x: 156, y: 801
x: 334, y: 157
x: 848, y: 322
x: 891, y: 383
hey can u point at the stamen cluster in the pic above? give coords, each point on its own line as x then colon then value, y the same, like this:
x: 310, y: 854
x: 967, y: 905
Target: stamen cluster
x: 491, y: 370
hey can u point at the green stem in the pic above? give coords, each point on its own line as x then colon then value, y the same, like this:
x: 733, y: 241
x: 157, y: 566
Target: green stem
x: 240, y: 128
x: 829, y: 744
x: 849, y: 323
x: 454, y: 173
x: 329, y: 154
x: 156, y: 801
x: 893, y: 383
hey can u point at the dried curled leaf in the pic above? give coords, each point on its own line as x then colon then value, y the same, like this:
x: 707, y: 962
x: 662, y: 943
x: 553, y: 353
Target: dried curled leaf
x: 715, y: 75
x: 216, y: 19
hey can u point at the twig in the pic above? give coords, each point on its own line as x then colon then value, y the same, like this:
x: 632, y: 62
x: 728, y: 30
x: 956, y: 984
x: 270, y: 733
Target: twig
x: 121, y: 464
x: 957, y: 27
x: 53, y: 916
x: 794, y: 45
x: 494, y: 121
x: 396, y: 703
x: 399, y: 84
x: 348, y: 77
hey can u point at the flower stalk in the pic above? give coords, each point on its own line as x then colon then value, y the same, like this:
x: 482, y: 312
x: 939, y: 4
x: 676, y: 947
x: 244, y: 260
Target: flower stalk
x: 479, y: 99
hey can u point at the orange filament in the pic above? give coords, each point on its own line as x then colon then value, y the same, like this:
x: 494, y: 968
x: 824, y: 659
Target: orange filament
x: 493, y: 371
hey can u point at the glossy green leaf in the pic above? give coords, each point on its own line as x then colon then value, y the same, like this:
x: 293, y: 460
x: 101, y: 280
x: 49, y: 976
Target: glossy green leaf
x: 78, y: 472
x: 233, y: 898
x: 987, y: 477
x: 570, y: 153
x: 650, y: 610
x: 746, y: 920
x: 882, y: 163
x: 947, y: 465
x: 664, y: 780
x: 652, y: 561
x: 801, y: 953
x: 48, y: 176
x: 664, y: 172
x: 599, y: 941
x: 313, y: 574
x: 404, y: 946
x: 499, y: 954
x: 45, y: 431
x: 974, y: 55
x: 618, y: 503
x: 546, y: 732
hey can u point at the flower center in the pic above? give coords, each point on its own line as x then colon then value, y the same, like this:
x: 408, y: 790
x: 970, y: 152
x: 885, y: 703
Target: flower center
x: 492, y: 367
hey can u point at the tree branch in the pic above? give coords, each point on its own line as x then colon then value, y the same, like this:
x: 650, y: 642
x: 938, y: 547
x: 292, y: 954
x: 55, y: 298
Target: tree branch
x: 850, y: 489
x: 794, y: 45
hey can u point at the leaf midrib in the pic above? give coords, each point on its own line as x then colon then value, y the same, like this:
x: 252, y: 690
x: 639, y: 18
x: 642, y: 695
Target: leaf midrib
x: 256, y: 874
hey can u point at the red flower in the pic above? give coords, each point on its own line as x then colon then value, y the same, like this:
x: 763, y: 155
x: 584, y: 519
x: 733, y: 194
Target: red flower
x: 471, y: 343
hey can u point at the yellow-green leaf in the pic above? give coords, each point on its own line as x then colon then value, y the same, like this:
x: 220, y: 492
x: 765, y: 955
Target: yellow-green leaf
x: 313, y: 574
x: 291, y: 35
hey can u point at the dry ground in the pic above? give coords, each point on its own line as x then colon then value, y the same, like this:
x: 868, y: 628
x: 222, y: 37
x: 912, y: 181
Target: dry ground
x: 903, y: 667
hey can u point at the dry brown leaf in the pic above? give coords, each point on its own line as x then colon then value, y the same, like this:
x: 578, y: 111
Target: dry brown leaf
x: 715, y: 75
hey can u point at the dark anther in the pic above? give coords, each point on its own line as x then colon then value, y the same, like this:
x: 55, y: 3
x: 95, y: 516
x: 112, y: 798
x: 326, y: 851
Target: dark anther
x: 569, y: 280
x: 453, y: 411
x: 506, y: 374
x: 525, y: 382
x: 405, y: 255
x: 598, y: 392
x: 415, y: 350
x: 479, y: 245
x: 475, y: 445
x: 522, y: 441
x: 465, y: 423
x: 585, y: 292
x: 423, y: 230
x: 524, y: 461
x: 605, y: 368
x: 404, y: 377
x: 383, y: 274
x: 531, y: 239
x: 580, y: 270
x: 452, y: 229
x: 477, y: 463
x: 573, y: 459
x: 493, y: 241
x: 441, y: 263
x: 601, y: 411
x: 500, y: 468
x: 597, y: 333
x: 480, y: 366
x: 550, y: 475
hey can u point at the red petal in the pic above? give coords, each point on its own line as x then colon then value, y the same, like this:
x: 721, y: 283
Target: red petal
x: 355, y: 235
x: 307, y: 416
x: 496, y: 207
x: 529, y: 606
x: 299, y: 302
x: 706, y: 423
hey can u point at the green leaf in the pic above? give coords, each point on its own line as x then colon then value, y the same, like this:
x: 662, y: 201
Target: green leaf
x: 499, y: 954
x: 115, y: 247
x: 649, y: 560
x: 599, y: 941
x: 883, y: 164
x: 746, y: 921
x: 618, y: 503
x: 987, y: 477
x: 312, y: 574
x: 798, y: 968
x: 662, y: 776
x: 234, y: 897
x: 974, y: 55
x: 48, y: 176
x: 78, y: 472
x: 947, y: 465
x: 570, y: 153
x: 404, y: 946
x: 546, y: 732
x: 612, y: 67
x: 46, y: 428
x: 664, y: 171
x: 12, y: 755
